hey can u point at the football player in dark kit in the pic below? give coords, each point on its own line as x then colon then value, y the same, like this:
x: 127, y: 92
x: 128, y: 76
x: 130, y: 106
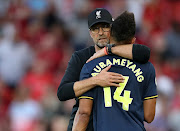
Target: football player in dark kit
x: 127, y: 106
x: 71, y: 87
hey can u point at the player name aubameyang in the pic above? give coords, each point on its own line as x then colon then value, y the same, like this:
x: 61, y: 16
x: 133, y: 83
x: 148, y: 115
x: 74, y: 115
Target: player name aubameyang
x: 121, y: 62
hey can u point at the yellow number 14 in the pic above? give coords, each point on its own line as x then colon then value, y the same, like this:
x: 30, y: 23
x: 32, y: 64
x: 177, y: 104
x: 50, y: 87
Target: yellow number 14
x: 126, y: 100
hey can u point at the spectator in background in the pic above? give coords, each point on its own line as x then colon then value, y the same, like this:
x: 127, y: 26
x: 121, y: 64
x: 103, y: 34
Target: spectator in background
x: 81, y: 39
x: 24, y: 112
x: 37, y: 6
x: 15, y: 59
x: 38, y: 79
x: 116, y: 6
x: 59, y: 123
x: 174, y: 115
x: 6, y: 96
x: 137, y: 7
x: 48, y: 50
x: 4, y: 4
x: 172, y: 39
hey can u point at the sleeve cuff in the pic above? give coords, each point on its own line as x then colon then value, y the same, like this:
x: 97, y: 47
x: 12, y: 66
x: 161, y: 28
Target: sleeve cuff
x: 151, y: 97
x: 85, y: 97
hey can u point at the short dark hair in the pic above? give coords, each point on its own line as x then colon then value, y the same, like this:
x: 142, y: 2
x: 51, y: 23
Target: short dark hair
x: 124, y: 27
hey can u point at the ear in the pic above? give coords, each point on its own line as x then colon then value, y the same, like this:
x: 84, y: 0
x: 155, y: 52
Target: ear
x: 133, y: 40
x: 90, y: 33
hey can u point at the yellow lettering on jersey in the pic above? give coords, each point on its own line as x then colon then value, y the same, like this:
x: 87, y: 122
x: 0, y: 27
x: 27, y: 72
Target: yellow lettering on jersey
x: 127, y: 100
x: 132, y: 67
x: 102, y: 65
x: 140, y: 78
x: 94, y: 74
x: 116, y: 61
x: 107, y: 97
x: 128, y: 63
x: 108, y: 62
x: 97, y: 69
x: 123, y: 61
x: 138, y: 72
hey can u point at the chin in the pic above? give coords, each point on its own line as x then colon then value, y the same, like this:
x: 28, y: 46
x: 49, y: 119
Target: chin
x: 102, y: 45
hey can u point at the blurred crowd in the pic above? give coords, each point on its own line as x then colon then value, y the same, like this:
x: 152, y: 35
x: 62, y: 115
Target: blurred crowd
x: 38, y: 37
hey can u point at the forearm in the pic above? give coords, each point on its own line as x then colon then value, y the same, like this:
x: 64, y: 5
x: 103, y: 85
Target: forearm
x: 80, y: 87
x: 75, y: 89
x: 123, y: 50
x: 80, y: 122
x: 136, y: 52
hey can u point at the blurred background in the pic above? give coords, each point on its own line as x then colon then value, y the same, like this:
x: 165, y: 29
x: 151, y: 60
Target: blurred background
x: 38, y: 37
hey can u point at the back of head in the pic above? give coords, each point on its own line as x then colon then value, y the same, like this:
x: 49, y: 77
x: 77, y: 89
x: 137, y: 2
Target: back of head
x: 123, y: 28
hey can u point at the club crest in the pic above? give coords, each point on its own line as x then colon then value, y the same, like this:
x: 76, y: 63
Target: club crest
x: 98, y: 14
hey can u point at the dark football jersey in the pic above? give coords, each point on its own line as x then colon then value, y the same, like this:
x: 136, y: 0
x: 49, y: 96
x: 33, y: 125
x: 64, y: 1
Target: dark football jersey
x: 120, y: 108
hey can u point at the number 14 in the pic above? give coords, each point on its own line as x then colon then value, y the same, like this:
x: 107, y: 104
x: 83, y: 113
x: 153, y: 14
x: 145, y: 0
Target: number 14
x: 126, y: 100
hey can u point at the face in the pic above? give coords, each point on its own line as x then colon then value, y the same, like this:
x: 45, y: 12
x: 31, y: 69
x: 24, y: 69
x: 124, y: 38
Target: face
x: 100, y: 33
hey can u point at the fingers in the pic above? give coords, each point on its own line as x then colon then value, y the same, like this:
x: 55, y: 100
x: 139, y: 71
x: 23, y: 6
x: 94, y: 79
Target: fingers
x: 91, y: 58
x: 116, y: 74
x: 116, y: 81
x: 114, y: 84
x: 107, y: 68
x: 98, y: 54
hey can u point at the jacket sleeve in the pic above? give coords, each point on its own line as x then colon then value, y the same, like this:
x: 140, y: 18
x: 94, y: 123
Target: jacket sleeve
x: 141, y: 53
x: 65, y: 89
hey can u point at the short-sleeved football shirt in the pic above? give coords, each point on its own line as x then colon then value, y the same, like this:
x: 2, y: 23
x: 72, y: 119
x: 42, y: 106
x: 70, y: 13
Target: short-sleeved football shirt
x: 120, y: 108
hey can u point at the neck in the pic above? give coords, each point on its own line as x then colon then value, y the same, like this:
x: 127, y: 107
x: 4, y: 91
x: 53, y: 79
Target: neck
x: 96, y: 48
x: 112, y: 41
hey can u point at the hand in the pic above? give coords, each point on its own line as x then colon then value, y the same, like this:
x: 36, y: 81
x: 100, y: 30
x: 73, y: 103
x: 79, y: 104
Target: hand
x: 105, y: 78
x: 98, y: 54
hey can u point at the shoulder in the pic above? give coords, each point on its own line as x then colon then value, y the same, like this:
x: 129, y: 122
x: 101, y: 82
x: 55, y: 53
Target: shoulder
x: 79, y: 58
x: 147, y: 65
x: 86, y: 51
x: 150, y: 66
x: 149, y: 69
x: 84, y: 54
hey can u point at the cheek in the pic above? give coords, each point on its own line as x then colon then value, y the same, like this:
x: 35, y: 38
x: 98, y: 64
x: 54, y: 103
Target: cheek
x: 109, y: 35
x: 94, y: 37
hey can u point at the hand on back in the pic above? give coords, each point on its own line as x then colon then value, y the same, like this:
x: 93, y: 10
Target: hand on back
x: 105, y: 78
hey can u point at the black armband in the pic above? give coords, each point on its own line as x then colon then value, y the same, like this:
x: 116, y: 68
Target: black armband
x: 141, y: 53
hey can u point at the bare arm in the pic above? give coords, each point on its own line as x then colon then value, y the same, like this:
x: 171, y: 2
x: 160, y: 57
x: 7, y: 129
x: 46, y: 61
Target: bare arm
x: 70, y: 86
x: 120, y: 50
x: 149, y: 110
x: 123, y: 50
x: 104, y: 78
x: 136, y: 52
x: 83, y: 114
